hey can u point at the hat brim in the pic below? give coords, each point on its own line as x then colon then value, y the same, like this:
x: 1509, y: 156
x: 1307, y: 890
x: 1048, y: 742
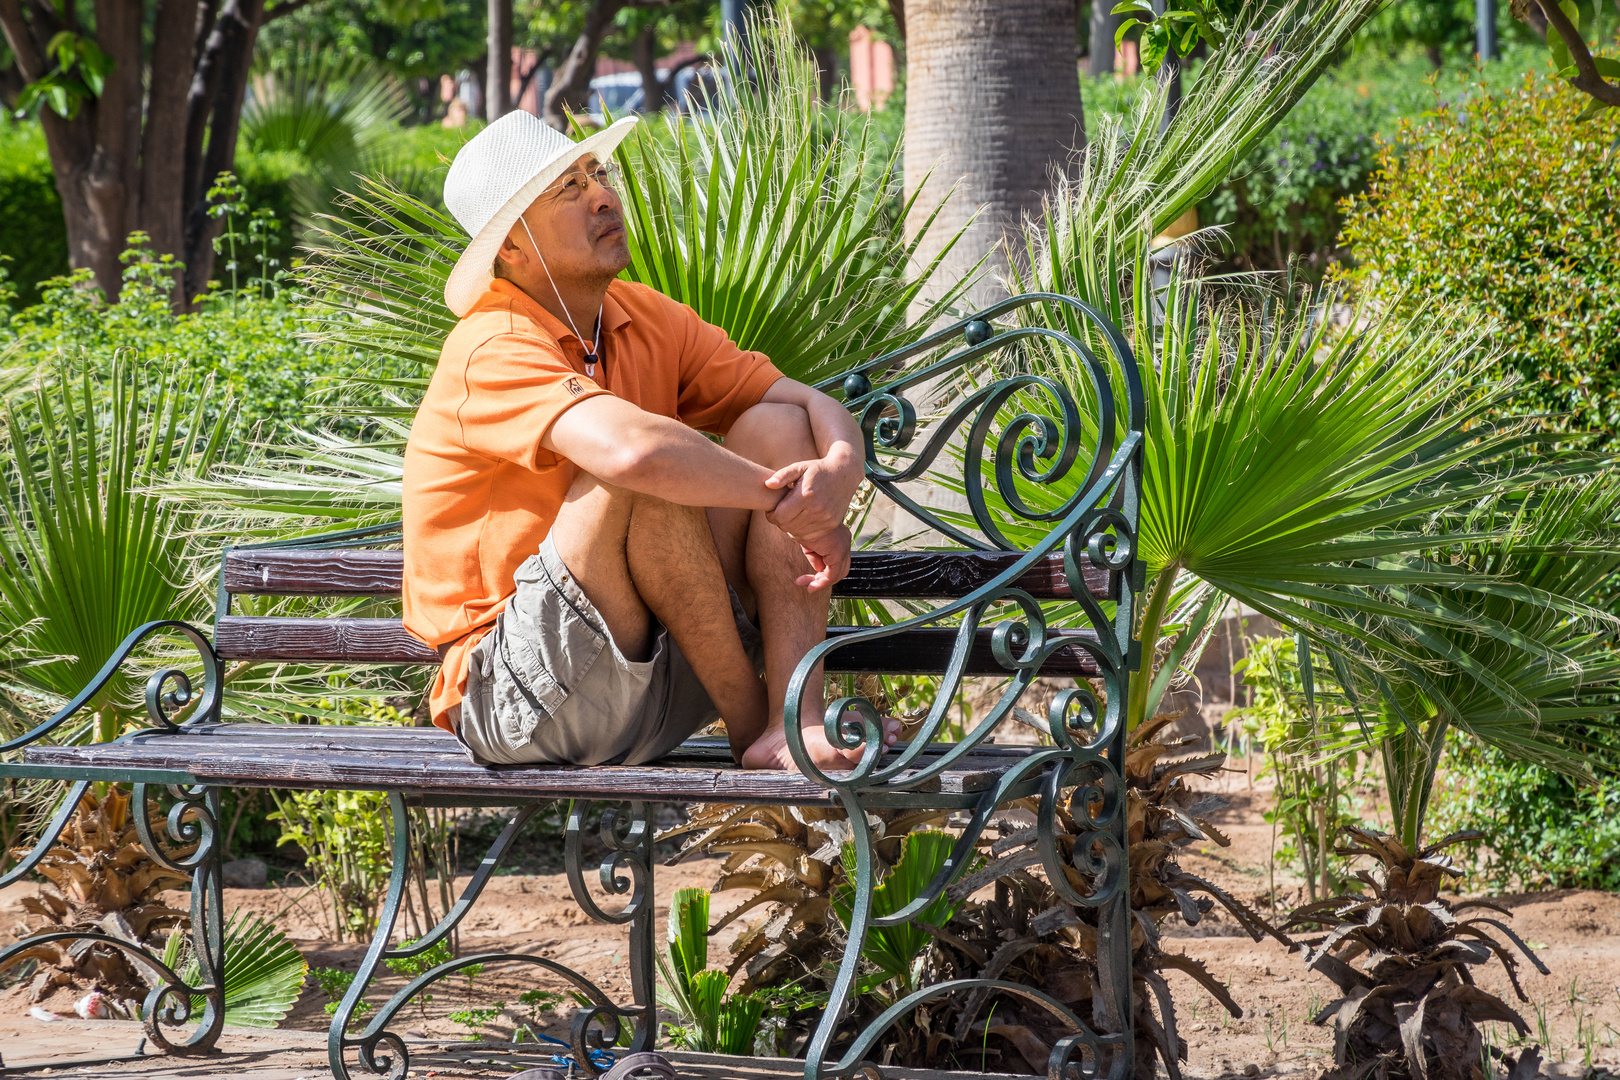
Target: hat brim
x: 471, y: 275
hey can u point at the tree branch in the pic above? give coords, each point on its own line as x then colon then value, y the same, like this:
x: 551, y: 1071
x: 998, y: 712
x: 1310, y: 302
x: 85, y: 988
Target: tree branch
x: 207, y: 10
x: 286, y: 7
x: 1586, y: 79
x: 47, y: 15
x: 28, y: 52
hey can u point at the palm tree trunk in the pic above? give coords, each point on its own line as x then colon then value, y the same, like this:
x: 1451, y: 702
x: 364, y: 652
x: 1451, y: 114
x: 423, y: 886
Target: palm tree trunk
x: 993, y: 108
x: 498, y: 92
x: 1104, y: 24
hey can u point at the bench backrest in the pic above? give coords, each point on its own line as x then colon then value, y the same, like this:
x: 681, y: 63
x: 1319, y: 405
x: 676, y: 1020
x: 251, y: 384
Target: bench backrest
x: 370, y: 572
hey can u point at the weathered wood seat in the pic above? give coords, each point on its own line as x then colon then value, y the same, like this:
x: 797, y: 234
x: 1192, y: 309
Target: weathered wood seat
x: 427, y: 762
x: 953, y: 614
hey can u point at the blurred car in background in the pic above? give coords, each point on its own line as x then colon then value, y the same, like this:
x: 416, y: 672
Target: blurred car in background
x: 622, y: 94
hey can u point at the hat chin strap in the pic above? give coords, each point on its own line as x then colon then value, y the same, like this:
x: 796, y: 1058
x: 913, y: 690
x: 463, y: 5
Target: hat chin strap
x: 590, y: 357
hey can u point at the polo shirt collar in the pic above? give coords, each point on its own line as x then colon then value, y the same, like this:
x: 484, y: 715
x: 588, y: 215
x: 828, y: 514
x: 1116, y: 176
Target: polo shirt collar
x: 613, y: 313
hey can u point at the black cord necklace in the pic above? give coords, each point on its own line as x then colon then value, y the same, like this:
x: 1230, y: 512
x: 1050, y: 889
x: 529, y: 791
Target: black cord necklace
x: 591, y: 357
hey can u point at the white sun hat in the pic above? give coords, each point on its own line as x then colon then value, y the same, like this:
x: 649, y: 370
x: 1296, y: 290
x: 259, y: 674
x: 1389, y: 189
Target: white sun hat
x: 493, y: 180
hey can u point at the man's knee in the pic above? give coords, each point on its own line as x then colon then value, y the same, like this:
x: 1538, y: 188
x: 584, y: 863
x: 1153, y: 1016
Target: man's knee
x: 772, y: 434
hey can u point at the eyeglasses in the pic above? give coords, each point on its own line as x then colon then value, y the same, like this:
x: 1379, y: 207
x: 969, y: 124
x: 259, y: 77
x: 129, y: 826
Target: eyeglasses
x: 571, y: 187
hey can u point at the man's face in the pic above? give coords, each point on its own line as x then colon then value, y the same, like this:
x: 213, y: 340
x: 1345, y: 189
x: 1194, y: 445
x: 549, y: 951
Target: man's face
x: 578, y: 225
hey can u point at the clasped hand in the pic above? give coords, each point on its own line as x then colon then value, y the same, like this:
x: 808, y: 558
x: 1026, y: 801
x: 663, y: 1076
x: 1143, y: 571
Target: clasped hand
x: 816, y: 498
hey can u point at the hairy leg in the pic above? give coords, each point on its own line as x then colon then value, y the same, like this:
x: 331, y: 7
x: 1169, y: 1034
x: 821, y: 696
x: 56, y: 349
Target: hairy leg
x: 638, y: 558
x: 762, y: 563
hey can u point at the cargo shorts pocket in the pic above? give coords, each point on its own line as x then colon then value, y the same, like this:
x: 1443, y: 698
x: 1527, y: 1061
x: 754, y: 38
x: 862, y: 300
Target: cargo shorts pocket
x: 550, y: 638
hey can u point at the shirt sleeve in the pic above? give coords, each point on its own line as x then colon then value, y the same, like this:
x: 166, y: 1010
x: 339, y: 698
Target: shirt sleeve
x: 719, y: 381
x: 516, y: 386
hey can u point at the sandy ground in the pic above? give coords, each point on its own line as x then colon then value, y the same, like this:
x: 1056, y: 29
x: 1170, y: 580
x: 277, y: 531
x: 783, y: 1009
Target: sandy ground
x: 1574, y: 1012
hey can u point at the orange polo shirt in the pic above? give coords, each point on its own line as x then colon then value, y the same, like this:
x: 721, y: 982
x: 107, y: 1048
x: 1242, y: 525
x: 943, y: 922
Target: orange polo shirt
x: 480, y: 493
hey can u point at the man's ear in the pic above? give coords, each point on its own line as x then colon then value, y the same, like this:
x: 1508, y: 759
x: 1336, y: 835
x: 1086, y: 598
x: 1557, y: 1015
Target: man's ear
x: 510, y: 253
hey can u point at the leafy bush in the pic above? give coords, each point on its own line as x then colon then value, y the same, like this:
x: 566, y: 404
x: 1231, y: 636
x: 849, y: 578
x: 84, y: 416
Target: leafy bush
x: 249, y: 343
x: 345, y: 836
x: 1541, y: 830
x: 1317, y: 768
x: 1508, y: 206
x: 1285, y: 198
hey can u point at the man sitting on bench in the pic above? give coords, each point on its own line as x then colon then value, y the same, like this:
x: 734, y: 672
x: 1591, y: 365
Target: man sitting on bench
x: 590, y: 567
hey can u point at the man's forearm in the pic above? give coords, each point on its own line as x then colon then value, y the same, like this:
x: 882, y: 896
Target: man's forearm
x: 679, y: 465
x: 627, y: 447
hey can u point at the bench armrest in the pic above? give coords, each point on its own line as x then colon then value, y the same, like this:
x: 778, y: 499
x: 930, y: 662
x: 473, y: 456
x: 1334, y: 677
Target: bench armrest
x: 167, y: 688
x: 1095, y: 517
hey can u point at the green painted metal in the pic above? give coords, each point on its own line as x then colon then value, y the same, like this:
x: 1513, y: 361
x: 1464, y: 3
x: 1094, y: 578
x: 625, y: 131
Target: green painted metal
x: 159, y: 699
x: 1081, y: 771
x: 1084, y: 769
x: 626, y: 871
x: 99, y: 773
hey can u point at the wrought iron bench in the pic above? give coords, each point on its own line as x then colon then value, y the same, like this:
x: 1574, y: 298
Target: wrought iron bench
x: 1085, y: 554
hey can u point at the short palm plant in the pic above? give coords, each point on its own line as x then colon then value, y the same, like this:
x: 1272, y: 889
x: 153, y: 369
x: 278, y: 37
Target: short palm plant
x: 1541, y: 683
x: 791, y: 862
x: 1412, y: 1008
x: 98, y: 878
x: 1359, y: 485
x: 89, y: 552
x: 333, y: 114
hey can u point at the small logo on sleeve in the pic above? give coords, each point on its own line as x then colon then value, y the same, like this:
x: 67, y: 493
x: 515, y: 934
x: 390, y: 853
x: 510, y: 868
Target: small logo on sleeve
x: 575, y: 387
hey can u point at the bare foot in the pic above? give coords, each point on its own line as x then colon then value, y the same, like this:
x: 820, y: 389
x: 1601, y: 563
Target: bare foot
x: 770, y: 750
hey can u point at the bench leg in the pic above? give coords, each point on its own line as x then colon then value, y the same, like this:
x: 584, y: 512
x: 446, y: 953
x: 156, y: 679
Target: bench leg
x: 1082, y: 1053
x: 193, y: 819
x: 628, y: 836
x: 381, y: 1051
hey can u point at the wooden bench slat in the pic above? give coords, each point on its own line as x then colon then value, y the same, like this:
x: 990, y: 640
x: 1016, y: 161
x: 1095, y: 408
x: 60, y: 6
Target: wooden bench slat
x: 873, y: 574
x: 385, y: 641
x: 364, y: 737
x: 430, y: 761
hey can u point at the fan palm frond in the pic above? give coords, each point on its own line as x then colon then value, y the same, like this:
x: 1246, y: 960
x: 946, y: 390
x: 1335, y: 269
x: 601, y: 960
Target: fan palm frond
x: 89, y: 552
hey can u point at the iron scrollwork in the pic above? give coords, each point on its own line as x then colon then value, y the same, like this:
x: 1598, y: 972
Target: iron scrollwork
x: 1093, y: 527
x: 597, y: 1023
x: 191, y: 822
x: 166, y: 690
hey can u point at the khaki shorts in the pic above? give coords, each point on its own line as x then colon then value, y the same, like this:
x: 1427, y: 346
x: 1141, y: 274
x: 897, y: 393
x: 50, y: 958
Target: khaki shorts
x: 547, y: 684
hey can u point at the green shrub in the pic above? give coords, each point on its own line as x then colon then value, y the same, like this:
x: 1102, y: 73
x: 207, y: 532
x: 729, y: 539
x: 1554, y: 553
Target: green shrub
x: 1509, y: 207
x: 1286, y: 198
x: 1541, y: 830
x: 31, y: 229
x: 267, y: 179
x: 249, y: 343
